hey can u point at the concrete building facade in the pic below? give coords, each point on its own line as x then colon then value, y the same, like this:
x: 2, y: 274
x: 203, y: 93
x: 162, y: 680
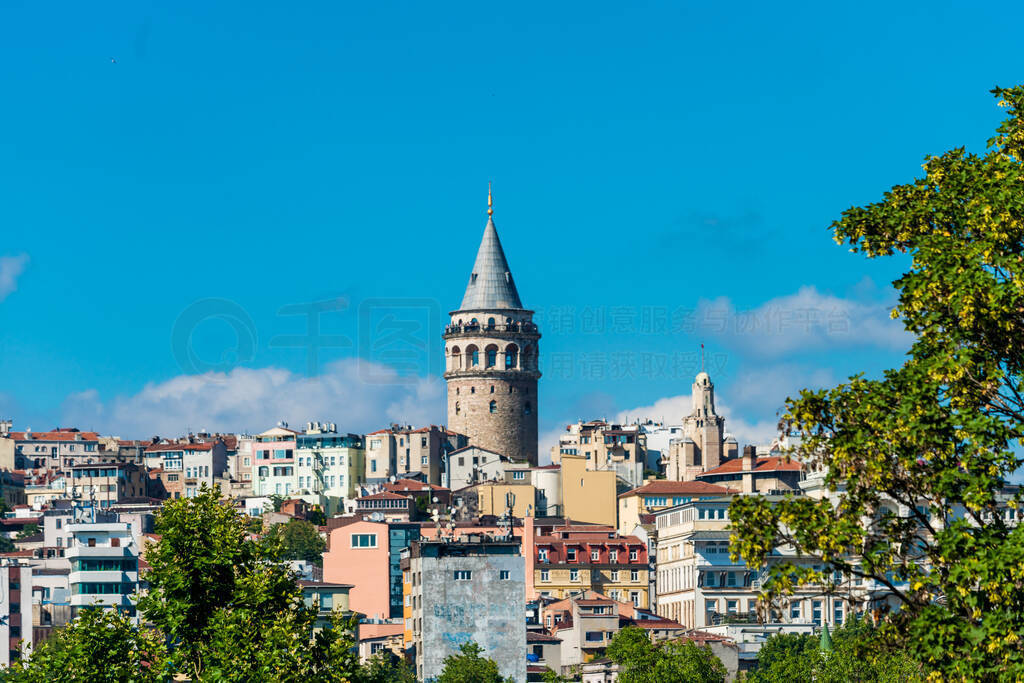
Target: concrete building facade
x: 491, y: 358
x: 461, y: 591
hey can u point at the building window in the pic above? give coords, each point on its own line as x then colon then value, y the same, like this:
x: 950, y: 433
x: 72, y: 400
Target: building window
x: 574, y: 574
x: 364, y: 540
x: 463, y: 575
x: 837, y: 613
x: 634, y: 597
x: 493, y: 406
x: 519, y: 474
x: 613, y: 555
x: 614, y: 576
x: 595, y: 555
x: 504, y: 575
x: 730, y: 579
x: 634, y: 576
x: 816, y: 612
x: 732, y: 606
x: 527, y: 408
x: 570, y: 554
x: 710, y: 606
x: 595, y: 636
x: 542, y: 555
x: 545, y: 574
x: 633, y: 555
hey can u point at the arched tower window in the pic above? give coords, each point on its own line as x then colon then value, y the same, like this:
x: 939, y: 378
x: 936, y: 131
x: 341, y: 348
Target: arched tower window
x: 490, y: 323
x: 491, y: 356
x: 458, y: 408
x: 511, y: 356
x: 493, y: 406
x: 527, y: 408
x: 472, y: 356
x: 456, y: 360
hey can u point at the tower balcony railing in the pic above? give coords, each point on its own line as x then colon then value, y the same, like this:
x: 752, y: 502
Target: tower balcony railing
x: 497, y: 328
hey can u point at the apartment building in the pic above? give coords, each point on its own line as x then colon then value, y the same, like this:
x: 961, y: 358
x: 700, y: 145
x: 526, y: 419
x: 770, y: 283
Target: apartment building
x: 15, y: 610
x: 659, y: 494
x: 465, y: 590
x: 473, y: 465
x: 329, y: 465
x: 105, y: 484
x: 104, y: 561
x: 274, y: 462
x: 571, y: 560
x: 367, y: 555
x: 606, y: 447
x: 767, y: 475
x: 53, y: 450
x: 402, y: 451
x: 183, y: 467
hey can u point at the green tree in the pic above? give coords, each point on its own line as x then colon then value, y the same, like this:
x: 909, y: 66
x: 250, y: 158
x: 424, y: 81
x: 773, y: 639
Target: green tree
x: 298, y: 540
x: 923, y: 453
x: 641, y: 661
x: 853, y: 657
x: 230, y: 608
x: 386, y: 667
x: 28, y: 530
x: 97, y: 646
x: 469, y: 666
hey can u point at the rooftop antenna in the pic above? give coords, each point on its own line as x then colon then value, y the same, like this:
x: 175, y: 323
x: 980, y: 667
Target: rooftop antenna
x: 702, y: 358
x: 490, y: 202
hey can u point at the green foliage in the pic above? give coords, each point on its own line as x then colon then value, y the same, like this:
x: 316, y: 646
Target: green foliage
x: 297, y: 540
x: 98, y: 646
x: 641, y: 661
x: 932, y: 438
x: 28, y: 530
x: 469, y: 666
x: 856, y: 656
x: 276, y: 500
x: 231, y: 609
x: 317, y: 517
x: 386, y: 667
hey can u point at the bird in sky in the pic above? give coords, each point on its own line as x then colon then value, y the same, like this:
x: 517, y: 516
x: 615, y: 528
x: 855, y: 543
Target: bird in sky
x: 113, y: 61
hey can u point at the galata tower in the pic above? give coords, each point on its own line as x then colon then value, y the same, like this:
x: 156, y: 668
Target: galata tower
x: 491, y: 353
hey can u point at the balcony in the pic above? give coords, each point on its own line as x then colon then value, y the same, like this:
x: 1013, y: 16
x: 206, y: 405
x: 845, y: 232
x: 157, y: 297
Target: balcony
x: 497, y: 330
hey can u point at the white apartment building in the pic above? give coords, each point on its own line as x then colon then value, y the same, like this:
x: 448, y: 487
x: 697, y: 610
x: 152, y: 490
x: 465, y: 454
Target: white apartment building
x: 15, y: 611
x: 701, y: 587
x: 104, y: 561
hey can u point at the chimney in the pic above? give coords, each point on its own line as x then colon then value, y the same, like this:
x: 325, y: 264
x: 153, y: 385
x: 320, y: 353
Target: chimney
x: 749, y: 462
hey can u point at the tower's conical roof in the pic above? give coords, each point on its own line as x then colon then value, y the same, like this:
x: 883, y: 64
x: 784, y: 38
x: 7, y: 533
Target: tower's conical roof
x: 490, y: 285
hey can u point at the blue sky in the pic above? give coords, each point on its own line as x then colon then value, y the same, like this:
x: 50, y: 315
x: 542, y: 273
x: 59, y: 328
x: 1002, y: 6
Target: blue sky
x: 186, y: 175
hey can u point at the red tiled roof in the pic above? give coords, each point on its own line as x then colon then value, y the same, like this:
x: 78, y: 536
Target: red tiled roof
x: 590, y: 602
x: 663, y: 487
x: 769, y: 464
x: 161, y: 447
x: 539, y: 637
x: 56, y: 435
x: 656, y: 623
x: 384, y: 495
x: 411, y: 485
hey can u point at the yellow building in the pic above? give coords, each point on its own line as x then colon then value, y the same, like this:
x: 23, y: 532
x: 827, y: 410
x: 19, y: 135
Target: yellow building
x: 587, y: 495
x: 492, y: 499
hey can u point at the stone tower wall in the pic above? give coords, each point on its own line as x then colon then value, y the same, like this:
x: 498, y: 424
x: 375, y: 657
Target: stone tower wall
x: 512, y: 428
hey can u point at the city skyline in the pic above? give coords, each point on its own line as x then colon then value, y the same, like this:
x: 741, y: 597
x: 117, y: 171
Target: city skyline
x: 151, y: 202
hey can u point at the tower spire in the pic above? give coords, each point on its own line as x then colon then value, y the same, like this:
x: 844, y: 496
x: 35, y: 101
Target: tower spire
x: 490, y: 201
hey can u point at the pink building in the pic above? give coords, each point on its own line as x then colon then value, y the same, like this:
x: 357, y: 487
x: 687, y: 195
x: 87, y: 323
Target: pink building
x: 358, y: 554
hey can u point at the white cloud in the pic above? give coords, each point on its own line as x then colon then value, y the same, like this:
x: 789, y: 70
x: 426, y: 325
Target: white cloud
x: 252, y: 400
x: 807, y: 320
x: 11, y: 267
